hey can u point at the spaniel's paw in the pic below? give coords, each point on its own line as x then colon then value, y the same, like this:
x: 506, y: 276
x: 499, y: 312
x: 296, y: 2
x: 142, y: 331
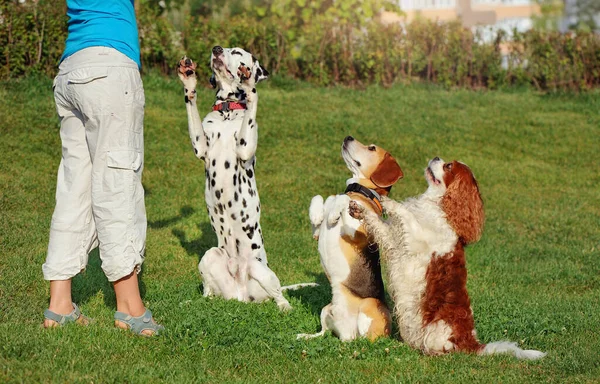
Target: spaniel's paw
x: 356, y: 210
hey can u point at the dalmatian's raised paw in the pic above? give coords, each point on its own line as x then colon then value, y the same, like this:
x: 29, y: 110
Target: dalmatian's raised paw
x: 186, y: 70
x: 356, y: 210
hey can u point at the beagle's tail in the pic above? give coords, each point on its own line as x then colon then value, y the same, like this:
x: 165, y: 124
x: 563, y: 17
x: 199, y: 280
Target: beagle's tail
x: 511, y: 348
x: 293, y: 287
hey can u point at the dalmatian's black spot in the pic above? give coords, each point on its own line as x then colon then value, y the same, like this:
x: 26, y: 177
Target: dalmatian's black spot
x: 214, y: 173
x: 229, y: 204
x: 219, y: 135
x: 250, y: 192
x: 243, y: 219
x: 233, y: 216
x: 218, y: 194
x: 236, y: 196
x: 234, y: 180
x: 235, y: 52
x: 250, y: 121
x: 196, y: 150
x: 197, y: 138
x: 244, y: 204
x: 255, y: 246
x: 212, y: 182
x: 253, y: 90
x: 257, y: 209
x: 209, y: 121
x: 226, y: 164
x: 259, y: 259
x: 243, y: 142
x: 216, y: 211
x: 249, y: 173
x: 220, y: 206
x: 214, y: 162
x: 222, y: 220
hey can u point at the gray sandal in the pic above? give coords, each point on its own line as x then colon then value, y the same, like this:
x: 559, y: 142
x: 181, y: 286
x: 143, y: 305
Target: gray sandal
x: 140, y: 323
x: 74, y: 317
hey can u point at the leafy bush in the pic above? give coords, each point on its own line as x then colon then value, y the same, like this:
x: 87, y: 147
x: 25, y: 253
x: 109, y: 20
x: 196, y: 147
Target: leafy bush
x: 325, y: 43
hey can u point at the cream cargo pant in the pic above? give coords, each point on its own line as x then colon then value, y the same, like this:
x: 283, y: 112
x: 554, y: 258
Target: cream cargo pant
x: 99, y: 195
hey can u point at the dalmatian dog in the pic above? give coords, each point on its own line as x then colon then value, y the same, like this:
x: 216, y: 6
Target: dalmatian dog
x: 226, y: 141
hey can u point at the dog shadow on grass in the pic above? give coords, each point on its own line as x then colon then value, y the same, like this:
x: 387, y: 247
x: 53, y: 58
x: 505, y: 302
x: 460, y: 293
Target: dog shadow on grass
x: 193, y: 247
x: 315, y: 298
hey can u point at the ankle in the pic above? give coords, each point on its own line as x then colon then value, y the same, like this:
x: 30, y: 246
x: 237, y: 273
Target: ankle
x: 61, y: 307
x: 134, y: 310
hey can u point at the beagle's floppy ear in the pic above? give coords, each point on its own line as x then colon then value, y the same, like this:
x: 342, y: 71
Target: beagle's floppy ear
x: 387, y: 172
x: 259, y: 72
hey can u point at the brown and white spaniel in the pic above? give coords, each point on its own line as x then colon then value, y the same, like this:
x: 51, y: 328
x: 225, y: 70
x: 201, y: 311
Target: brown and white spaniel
x: 423, y: 241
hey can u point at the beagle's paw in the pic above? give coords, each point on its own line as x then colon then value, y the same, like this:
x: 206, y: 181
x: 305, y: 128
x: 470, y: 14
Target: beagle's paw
x: 340, y: 204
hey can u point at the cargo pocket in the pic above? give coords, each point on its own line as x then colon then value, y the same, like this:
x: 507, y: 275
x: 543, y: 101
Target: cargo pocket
x: 123, y: 167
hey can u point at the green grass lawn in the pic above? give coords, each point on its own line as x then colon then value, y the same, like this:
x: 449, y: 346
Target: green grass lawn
x: 534, y: 277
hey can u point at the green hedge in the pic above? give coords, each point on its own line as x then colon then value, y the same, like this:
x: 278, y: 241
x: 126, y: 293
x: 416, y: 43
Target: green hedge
x: 326, y: 52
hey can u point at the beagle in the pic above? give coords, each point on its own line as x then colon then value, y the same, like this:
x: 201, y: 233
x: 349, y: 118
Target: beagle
x: 350, y: 261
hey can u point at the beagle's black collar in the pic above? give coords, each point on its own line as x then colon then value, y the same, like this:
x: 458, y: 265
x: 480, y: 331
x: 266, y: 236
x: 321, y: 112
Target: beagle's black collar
x: 367, y: 192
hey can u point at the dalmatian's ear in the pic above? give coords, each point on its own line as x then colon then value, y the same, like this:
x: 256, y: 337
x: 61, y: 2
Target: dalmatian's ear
x: 213, y: 81
x: 260, y: 73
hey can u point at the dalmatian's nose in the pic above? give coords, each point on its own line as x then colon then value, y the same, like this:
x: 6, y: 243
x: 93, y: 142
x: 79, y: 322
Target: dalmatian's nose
x: 217, y: 50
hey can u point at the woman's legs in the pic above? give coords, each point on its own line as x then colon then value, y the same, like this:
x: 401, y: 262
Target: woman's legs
x: 60, y: 300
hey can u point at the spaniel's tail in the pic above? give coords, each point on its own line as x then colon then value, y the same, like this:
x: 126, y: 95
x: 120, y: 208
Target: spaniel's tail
x: 511, y: 348
x: 293, y: 287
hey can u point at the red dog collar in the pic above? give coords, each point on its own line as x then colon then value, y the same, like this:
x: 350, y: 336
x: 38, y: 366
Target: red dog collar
x: 228, y: 106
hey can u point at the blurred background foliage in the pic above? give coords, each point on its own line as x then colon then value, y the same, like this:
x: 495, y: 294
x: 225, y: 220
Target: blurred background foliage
x: 326, y: 42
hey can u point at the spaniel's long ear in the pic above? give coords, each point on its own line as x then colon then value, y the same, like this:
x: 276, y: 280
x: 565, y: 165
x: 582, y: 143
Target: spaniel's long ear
x: 387, y: 172
x: 463, y: 206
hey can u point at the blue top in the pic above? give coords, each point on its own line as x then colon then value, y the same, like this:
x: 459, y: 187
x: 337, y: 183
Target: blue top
x: 102, y: 23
